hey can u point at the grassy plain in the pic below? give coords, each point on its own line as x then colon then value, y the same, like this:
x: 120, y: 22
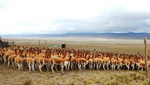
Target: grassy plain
x: 88, y: 43
x: 11, y: 76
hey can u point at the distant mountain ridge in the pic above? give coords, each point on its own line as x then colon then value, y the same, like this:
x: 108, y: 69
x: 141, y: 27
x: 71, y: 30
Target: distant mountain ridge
x: 129, y: 35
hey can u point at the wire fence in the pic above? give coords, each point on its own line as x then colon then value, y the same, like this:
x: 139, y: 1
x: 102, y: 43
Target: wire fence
x: 116, y: 47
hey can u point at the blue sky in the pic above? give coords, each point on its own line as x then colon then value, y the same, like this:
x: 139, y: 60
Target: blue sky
x: 74, y: 16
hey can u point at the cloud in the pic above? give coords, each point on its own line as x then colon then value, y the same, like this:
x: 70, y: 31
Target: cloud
x: 56, y: 17
x: 112, y: 21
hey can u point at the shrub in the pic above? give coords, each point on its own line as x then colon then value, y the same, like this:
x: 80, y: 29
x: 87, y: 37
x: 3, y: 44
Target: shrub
x: 28, y: 82
x: 111, y: 77
x: 72, y: 84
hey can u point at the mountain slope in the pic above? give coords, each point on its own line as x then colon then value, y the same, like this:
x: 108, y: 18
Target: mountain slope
x: 129, y: 35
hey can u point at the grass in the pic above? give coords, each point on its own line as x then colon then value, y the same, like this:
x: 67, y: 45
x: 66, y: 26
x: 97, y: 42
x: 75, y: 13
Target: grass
x: 87, y: 77
x: 131, y: 78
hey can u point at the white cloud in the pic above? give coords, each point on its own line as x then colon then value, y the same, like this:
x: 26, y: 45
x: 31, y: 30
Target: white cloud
x: 63, y: 16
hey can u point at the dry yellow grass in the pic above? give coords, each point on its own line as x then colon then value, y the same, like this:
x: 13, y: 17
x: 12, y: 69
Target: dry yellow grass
x: 12, y: 76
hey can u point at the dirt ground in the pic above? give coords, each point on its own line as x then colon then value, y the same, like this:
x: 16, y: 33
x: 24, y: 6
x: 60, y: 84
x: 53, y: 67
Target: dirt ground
x: 11, y: 76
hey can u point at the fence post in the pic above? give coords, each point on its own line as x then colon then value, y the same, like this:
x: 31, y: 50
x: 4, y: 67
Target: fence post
x: 28, y: 44
x: 39, y: 44
x: 0, y: 38
x: 45, y: 43
x: 13, y: 43
x: 145, y: 53
x: 0, y: 41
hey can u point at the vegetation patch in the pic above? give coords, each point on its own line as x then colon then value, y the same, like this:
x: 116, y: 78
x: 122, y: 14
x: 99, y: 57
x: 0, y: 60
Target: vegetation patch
x: 28, y: 82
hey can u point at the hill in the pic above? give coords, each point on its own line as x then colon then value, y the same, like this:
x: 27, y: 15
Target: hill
x: 129, y: 35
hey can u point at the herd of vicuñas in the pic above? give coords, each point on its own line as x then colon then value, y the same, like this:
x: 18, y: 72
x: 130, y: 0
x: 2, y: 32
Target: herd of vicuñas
x: 68, y: 59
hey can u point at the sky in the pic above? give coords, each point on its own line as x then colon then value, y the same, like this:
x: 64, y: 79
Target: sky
x: 74, y: 16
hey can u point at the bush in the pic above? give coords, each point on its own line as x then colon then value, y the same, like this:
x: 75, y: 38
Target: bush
x: 28, y: 82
